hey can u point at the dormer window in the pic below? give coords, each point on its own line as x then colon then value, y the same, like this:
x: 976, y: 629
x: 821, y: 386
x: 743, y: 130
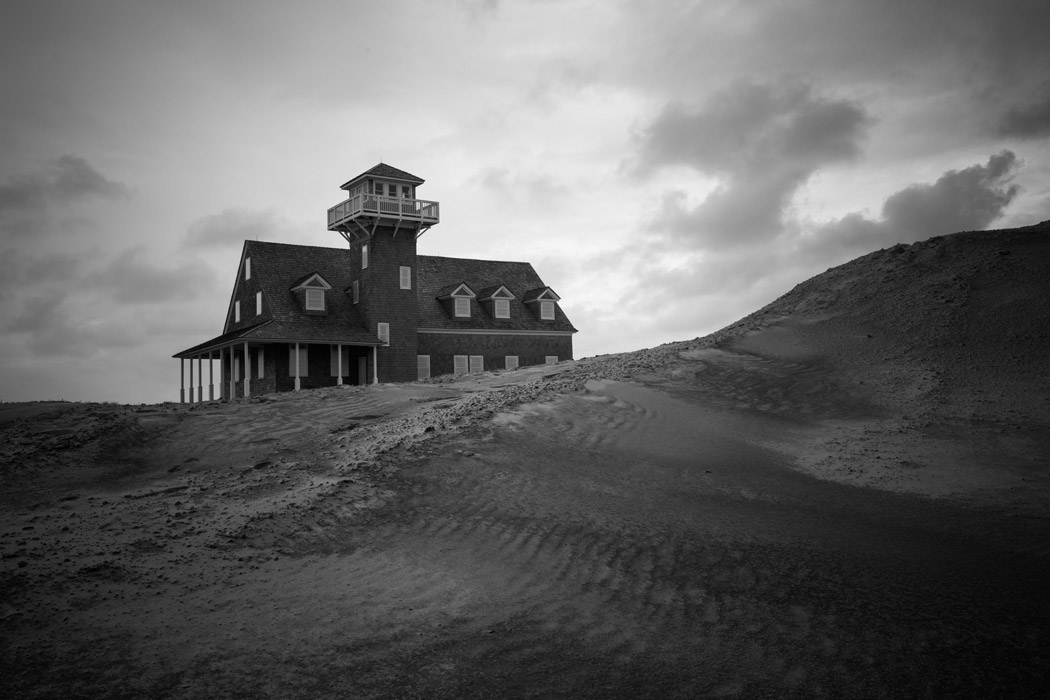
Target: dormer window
x: 315, y: 300
x: 311, y: 291
x: 502, y: 308
x: 456, y: 299
x: 544, y: 301
x: 496, y: 300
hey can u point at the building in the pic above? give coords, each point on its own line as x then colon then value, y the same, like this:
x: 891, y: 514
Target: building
x: 305, y: 316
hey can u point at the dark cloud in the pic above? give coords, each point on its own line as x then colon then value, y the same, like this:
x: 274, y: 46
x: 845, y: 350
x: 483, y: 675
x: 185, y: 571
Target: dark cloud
x: 53, y: 330
x: 69, y: 178
x: 763, y: 141
x: 128, y: 279
x: 232, y: 227
x: 1028, y: 121
x: 19, y: 270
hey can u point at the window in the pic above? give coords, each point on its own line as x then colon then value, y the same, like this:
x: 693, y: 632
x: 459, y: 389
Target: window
x: 462, y: 307
x: 247, y: 269
x: 334, y: 360
x: 477, y: 363
x: 547, y: 310
x: 511, y: 361
x: 406, y: 277
x: 304, y: 361
x: 315, y: 300
x: 459, y: 364
x: 364, y: 257
x: 357, y: 291
x: 550, y: 360
x: 258, y: 303
x: 262, y: 364
x: 422, y: 366
x: 236, y: 312
x: 383, y: 331
x: 406, y: 191
x: 502, y: 308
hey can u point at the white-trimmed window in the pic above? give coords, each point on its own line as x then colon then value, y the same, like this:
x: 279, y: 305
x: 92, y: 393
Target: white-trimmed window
x: 236, y: 312
x: 315, y: 300
x: 260, y: 353
x: 477, y: 363
x: 304, y: 361
x: 462, y: 307
x: 422, y: 366
x: 333, y: 355
x: 502, y: 308
x: 258, y: 303
x: 511, y: 361
x: 364, y: 257
x: 550, y: 359
x: 247, y: 269
x: 383, y: 331
x: 547, y: 310
x: 406, y: 277
x: 356, y: 287
x: 459, y: 364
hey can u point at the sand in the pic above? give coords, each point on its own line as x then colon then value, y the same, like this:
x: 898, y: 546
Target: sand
x: 843, y: 495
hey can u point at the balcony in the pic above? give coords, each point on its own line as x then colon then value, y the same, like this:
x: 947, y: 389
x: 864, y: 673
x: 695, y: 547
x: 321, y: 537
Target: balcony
x: 365, y: 209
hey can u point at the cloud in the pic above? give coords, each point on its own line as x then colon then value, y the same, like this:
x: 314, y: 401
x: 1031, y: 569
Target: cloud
x: 128, y: 279
x: 55, y: 330
x: 234, y: 226
x: 1028, y: 121
x: 69, y: 178
x: 762, y: 140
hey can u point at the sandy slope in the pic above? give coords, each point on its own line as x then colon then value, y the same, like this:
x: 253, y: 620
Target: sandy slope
x: 843, y: 495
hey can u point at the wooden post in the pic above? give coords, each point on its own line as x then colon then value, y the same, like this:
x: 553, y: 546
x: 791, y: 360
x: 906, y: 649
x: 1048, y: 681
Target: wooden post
x: 339, y: 364
x: 182, y: 380
x: 247, y: 371
x: 375, y: 364
x: 233, y: 374
x: 200, y: 379
x: 191, y: 380
x: 298, y: 384
x: 211, y: 375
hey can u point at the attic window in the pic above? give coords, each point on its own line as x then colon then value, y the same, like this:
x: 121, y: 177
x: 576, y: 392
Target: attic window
x: 247, y: 269
x: 462, y: 307
x: 258, y: 303
x: 315, y: 300
x: 547, y: 310
x: 502, y: 308
x: 236, y: 312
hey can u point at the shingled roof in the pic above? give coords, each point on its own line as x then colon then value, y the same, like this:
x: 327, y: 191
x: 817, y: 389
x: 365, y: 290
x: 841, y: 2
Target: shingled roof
x: 436, y: 274
x: 386, y: 172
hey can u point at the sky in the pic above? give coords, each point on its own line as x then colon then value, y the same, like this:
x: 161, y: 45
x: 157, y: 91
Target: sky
x: 667, y: 167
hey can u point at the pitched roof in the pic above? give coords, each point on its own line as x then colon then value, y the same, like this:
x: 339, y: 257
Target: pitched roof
x: 387, y: 172
x: 436, y: 274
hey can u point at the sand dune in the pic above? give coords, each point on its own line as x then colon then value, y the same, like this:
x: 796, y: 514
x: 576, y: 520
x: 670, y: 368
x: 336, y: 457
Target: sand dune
x: 843, y: 495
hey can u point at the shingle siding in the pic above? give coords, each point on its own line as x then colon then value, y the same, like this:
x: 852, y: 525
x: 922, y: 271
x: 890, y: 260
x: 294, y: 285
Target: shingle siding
x: 529, y: 349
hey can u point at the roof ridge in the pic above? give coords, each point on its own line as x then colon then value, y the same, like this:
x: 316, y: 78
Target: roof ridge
x: 483, y: 260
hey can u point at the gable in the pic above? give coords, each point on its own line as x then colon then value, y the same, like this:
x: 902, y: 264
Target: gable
x: 312, y: 281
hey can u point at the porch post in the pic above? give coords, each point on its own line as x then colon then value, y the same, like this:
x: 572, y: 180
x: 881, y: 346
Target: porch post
x: 233, y: 375
x: 191, y: 380
x: 200, y: 379
x: 375, y: 364
x: 211, y: 375
x: 182, y: 380
x: 247, y: 372
x: 339, y: 364
x: 298, y: 384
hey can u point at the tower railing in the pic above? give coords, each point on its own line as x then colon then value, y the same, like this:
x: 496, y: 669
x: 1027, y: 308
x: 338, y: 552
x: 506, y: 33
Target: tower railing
x: 374, y: 205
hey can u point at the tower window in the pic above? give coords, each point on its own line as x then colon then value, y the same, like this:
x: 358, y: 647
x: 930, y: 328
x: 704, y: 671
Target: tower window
x: 364, y: 257
x: 406, y: 277
x: 383, y: 331
x: 356, y: 291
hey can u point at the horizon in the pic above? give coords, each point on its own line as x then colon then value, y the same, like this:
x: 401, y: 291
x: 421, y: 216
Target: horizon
x: 667, y: 172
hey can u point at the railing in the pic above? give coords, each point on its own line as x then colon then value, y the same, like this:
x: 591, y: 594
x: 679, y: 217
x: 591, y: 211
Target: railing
x: 377, y: 205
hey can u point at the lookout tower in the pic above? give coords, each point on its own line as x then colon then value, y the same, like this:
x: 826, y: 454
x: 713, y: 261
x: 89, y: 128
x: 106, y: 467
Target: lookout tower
x: 382, y: 197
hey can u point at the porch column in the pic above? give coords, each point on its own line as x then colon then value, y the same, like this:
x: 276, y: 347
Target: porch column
x: 191, y: 380
x: 247, y: 372
x: 298, y: 384
x: 211, y: 375
x: 233, y: 375
x: 339, y: 364
x: 182, y: 380
x: 375, y: 364
x: 200, y: 379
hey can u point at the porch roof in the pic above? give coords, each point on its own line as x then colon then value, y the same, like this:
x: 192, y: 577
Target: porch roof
x: 298, y: 331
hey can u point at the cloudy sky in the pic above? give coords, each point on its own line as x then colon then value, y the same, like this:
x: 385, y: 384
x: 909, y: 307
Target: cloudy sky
x: 668, y: 167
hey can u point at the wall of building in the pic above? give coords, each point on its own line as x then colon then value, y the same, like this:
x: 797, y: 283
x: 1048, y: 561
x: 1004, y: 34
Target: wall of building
x: 383, y: 300
x: 529, y: 349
